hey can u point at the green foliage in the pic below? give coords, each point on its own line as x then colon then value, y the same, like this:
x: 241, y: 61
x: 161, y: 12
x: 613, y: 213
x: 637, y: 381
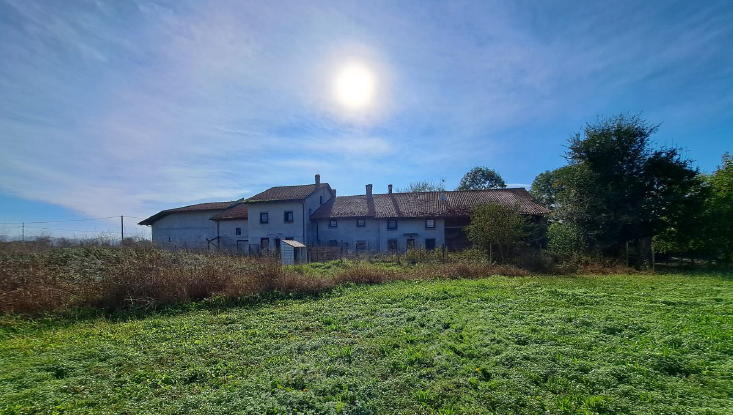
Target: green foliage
x: 617, y: 187
x: 480, y: 178
x: 565, y: 240
x: 719, y: 211
x: 497, y: 229
x: 423, y: 186
x: 642, y: 344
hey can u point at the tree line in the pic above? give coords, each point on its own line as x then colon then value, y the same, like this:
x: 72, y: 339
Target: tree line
x: 616, y: 187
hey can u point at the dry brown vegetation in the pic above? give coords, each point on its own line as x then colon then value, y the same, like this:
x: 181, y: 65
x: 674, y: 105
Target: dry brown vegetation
x: 38, y: 278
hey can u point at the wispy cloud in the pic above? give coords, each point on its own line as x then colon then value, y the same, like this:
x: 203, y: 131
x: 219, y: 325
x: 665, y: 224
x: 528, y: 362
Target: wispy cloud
x: 112, y: 107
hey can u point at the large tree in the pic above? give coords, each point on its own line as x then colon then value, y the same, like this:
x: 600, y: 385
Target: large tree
x: 719, y: 211
x: 617, y: 187
x: 481, y: 178
x: 547, y: 185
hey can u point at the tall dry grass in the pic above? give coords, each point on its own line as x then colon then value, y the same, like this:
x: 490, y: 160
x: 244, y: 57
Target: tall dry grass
x: 42, y: 278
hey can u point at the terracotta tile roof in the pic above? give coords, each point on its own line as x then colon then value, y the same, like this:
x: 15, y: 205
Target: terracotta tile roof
x: 236, y: 211
x: 449, y: 204
x: 285, y: 193
x: 200, y: 207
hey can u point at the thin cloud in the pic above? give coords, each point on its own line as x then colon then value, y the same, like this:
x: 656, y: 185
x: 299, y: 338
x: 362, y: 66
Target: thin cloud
x: 131, y: 107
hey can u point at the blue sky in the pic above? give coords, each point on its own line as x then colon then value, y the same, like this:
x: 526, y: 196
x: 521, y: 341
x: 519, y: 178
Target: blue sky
x: 120, y: 107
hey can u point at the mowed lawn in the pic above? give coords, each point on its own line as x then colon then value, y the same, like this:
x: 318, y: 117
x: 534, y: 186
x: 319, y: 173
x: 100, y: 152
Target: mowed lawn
x: 610, y: 344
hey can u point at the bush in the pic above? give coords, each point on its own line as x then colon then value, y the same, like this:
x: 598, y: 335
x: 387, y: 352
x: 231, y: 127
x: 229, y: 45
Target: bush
x: 565, y: 240
x: 497, y: 230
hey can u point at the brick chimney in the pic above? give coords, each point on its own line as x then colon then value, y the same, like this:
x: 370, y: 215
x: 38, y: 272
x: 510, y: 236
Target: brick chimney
x: 369, y: 190
x: 389, y: 187
x: 318, y: 180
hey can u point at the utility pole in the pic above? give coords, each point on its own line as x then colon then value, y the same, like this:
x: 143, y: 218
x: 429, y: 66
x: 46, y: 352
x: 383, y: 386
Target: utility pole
x: 23, y: 232
x: 122, y: 228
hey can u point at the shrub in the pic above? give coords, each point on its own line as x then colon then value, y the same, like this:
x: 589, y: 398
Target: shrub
x: 565, y: 240
x: 497, y: 230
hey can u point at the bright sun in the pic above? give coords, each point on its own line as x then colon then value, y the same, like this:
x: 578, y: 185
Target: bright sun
x: 354, y: 86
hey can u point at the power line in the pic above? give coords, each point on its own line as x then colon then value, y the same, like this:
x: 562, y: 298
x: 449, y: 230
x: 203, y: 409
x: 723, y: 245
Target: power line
x: 58, y: 221
x: 69, y: 230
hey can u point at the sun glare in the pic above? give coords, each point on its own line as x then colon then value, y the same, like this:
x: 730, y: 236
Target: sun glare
x: 354, y: 86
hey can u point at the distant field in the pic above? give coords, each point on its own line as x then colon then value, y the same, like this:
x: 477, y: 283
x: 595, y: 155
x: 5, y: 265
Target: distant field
x: 612, y: 344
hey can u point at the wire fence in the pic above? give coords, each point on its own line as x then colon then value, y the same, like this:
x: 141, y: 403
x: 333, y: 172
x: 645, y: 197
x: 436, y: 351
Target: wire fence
x: 110, y: 228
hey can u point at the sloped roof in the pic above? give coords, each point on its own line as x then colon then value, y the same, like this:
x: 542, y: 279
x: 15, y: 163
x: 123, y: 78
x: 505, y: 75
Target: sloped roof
x: 294, y: 244
x: 448, y: 204
x: 235, y: 211
x: 285, y: 193
x: 200, y: 207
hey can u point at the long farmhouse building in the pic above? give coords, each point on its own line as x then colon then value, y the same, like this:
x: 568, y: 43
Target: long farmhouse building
x: 313, y: 215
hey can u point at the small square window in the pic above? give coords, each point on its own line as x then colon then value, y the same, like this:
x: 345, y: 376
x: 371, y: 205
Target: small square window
x: 361, y: 223
x: 392, y: 224
x: 264, y: 218
x: 288, y: 217
x: 430, y: 223
x: 238, y: 231
x: 361, y: 246
x: 332, y: 223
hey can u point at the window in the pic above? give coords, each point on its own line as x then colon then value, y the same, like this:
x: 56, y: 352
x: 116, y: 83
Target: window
x: 264, y: 218
x: 410, y: 243
x: 429, y: 244
x: 361, y: 246
x: 332, y: 223
x: 333, y: 242
x: 430, y: 223
x: 288, y: 217
x: 392, y: 224
x: 360, y: 223
x: 237, y: 231
x: 392, y: 245
x: 264, y: 243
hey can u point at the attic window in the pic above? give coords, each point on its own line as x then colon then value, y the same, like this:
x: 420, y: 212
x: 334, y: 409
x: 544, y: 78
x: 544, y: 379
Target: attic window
x: 237, y: 231
x: 430, y: 223
x: 332, y: 223
x: 360, y: 223
x: 392, y: 224
x: 264, y: 218
x: 288, y: 217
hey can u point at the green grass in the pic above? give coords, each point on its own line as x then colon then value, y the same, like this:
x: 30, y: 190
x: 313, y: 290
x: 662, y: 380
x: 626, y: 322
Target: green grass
x: 613, y: 344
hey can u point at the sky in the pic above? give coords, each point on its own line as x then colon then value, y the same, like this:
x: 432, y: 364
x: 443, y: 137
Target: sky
x: 122, y: 107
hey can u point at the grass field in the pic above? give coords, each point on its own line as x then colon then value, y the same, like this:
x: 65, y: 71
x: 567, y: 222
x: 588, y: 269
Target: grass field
x: 612, y: 344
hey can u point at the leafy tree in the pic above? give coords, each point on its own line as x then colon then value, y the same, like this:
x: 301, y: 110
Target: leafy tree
x: 719, y: 211
x: 499, y: 229
x: 480, y: 178
x: 617, y: 188
x: 423, y: 186
x: 547, y: 185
